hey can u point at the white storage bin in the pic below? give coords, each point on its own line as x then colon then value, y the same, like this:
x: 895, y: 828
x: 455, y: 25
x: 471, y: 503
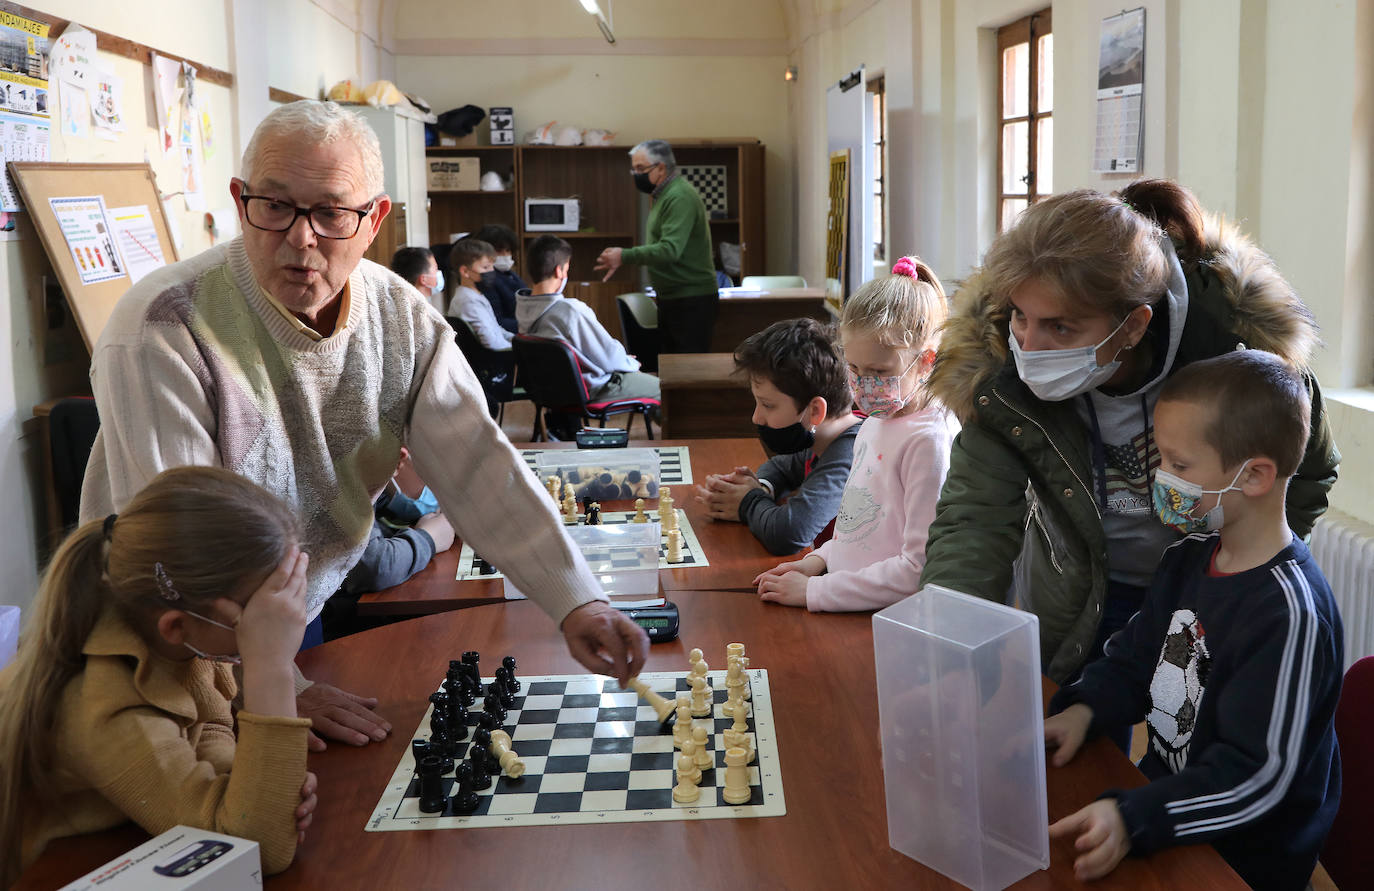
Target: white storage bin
x: 623, y: 557
x: 603, y: 474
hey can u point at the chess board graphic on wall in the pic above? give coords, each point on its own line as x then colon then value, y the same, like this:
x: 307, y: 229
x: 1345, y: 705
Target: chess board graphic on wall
x: 712, y: 183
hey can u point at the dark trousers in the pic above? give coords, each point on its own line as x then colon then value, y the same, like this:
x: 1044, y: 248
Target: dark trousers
x: 1122, y: 602
x: 685, y: 323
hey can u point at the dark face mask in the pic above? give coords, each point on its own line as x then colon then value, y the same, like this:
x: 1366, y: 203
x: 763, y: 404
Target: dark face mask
x: 786, y: 440
x: 488, y: 278
x: 643, y: 184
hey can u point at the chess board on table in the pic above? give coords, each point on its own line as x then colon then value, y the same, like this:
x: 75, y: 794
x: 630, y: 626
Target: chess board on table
x: 472, y: 567
x: 594, y: 753
x: 674, y: 466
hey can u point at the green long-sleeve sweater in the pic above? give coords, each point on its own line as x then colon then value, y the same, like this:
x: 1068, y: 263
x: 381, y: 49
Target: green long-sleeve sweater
x: 678, y: 254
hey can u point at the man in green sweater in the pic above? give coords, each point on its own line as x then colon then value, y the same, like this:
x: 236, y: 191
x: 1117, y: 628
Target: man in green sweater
x: 678, y: 254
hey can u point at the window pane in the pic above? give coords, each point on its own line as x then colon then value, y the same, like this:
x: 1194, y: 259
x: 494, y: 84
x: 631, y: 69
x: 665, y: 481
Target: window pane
x: 877, y: 162
x: 1015, y: 157
x: 877, y: 227
x: 1011, y: 209
x: 1016, y: 80
x: 1044, y: 99
x: 1044, y: 156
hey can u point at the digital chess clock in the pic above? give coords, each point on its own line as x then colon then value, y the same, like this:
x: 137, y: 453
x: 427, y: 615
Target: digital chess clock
x: 659, y: 622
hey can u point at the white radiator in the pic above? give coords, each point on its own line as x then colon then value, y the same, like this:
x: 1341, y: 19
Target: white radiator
x: 1344, y: 549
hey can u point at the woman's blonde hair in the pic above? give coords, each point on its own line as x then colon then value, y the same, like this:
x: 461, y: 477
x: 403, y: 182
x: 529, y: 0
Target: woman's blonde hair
x: 901, y: 310
x: 1101, y: 252
x: 211, y: 533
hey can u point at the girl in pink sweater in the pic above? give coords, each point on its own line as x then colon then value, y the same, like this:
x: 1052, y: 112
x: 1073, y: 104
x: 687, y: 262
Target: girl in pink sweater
x: 889, y: 332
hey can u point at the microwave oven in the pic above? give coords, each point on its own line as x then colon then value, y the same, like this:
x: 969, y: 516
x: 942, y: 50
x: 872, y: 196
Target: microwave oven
x: 553, y: 214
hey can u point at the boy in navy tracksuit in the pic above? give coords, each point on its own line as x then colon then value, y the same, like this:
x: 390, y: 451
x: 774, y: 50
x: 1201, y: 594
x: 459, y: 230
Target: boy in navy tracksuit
x: 1235, y: 657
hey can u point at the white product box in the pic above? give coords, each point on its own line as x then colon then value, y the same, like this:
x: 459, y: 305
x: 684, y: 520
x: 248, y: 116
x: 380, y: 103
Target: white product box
x: 180, y: 859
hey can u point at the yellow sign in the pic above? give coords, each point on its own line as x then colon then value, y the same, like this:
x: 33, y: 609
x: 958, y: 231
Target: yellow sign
x: 10, y: 20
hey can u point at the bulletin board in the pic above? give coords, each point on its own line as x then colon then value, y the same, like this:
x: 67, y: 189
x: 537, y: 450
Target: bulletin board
x: 88, y: 273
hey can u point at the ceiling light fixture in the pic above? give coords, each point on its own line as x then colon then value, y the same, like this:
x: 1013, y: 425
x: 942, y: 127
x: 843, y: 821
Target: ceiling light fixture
x: 602, y: 21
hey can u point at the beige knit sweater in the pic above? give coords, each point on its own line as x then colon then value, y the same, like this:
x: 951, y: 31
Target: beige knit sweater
x: 196, y: 367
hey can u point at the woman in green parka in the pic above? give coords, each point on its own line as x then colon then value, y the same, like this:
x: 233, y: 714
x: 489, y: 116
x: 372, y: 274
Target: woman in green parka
x: 1052, y: 359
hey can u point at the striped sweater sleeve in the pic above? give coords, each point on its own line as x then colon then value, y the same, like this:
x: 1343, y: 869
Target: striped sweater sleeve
x: 1263, y: 713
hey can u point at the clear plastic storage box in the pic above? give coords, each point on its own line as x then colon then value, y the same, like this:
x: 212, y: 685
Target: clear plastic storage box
x: 959, y: 700
x: 9, y: 633
x: 623, y: 557
x: 602, y: 474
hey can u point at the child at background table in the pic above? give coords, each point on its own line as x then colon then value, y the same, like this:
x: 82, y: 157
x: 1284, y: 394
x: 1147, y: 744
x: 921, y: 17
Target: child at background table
x: 889, y: 331
x: 802, y: 410
x: 503, y: 282
x: 1234, y: 659
x: 117, y: 705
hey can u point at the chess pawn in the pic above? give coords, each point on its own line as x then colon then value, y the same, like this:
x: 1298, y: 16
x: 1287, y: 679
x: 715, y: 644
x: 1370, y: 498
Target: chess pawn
x: 701, y: 698
x: 704, y: 759
x: 689, y: 750
x: 662, y: 707
x: 686, y: 791
x: 682, y: 729
x: 695, y: 656
x: 640, y: 516
x: 674, y: 546
x: 700, y: 670
x: 736, y: 776
x: 501, y: 750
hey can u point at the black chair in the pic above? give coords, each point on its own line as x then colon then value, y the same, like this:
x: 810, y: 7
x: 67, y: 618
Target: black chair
x: 639, y: 322
x: 495, y: 369
x: 552, y: 375
x: 72, y: 426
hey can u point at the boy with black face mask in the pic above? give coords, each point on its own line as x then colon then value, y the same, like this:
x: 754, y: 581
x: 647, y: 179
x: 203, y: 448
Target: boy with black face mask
x: 802, y: 411
x: 1234, y: 659
x: 501, y: 285
x: 471, y: 259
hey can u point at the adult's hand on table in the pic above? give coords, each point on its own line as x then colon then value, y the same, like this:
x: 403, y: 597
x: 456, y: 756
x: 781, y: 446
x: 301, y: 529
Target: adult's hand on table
x: 604, y: 640
x: 340, y: 716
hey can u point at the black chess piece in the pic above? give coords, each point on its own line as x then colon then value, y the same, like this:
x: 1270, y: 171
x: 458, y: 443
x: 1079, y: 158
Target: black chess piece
x: 502, y: 685
x: 508, y: 664
x: 431, y: 772
x: 465, y: 798
x: 594, y: 515
x: 470, y: 659
x: 492, y: 706
x: 487, y: 722
x: 422, y: 749
x: 477, y: 758
x: 481, y: 738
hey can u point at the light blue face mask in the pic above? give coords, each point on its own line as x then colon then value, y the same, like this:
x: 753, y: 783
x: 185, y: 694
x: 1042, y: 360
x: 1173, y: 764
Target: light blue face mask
x: 1175, y: 498
x: 427, y: 503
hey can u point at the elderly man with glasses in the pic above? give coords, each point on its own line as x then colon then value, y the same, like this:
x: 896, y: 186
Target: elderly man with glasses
x: 288, y: 358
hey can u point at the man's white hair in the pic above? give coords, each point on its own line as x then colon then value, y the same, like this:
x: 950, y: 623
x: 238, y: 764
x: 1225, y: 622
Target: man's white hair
x: 310, y: 121
x: 658, y: 152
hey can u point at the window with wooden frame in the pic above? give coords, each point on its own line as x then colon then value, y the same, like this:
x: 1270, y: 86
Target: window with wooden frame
x: 878, y: 110
x: 1025, y: 100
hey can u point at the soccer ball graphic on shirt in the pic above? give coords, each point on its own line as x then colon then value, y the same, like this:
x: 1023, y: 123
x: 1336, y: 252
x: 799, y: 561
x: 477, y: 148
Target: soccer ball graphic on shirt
x: 1176, y: 689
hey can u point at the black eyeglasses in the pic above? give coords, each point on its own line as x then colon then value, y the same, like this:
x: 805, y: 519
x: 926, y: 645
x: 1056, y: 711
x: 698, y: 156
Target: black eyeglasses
x: 273, y: 215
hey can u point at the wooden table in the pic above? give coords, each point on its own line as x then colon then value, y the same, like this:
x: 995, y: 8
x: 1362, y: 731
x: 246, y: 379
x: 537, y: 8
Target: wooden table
x: 825, y: 706
x: 704, y: 397
x: 735, y: 555
x: 744, y: 312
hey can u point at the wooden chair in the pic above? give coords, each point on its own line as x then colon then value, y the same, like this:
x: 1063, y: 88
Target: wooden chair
x: 1346, y: 856
x: 495, y: 369
x: 552, y: 375
x: 770, y: 282
x: 639, y: 322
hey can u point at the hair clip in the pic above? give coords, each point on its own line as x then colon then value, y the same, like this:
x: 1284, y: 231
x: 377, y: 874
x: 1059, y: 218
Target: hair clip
x: 1128, y: 204
x: 164, y: 583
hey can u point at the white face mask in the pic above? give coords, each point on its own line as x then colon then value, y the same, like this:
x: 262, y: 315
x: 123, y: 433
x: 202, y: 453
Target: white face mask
x: 438, y: 283
x: 1056, y: 375
x: 504, y: 262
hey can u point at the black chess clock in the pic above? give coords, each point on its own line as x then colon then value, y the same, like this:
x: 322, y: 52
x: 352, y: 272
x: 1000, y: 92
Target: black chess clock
x: 659, y: 622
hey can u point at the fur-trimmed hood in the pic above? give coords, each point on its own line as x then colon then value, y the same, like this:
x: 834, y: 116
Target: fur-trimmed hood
x: 1235, y: 294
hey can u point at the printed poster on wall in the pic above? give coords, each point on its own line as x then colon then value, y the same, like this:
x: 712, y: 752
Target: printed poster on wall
x: 23, y: 137
x: 24, y: 53
x: 86, y: 228
x: 136, y: 237
x: 1120, y: 93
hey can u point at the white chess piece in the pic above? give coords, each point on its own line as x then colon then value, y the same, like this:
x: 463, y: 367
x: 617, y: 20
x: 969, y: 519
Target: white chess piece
x: 640, y: 516
x: 665, y: 506
x: 734, y: 649
x: 501, y: 748
x: 682, y: 728
x: 686, y: 791
x: 704, y: 759
x: 662, y: 707
x: 569, y: 505
x: 689, y: 750
x: 674, y: 546
x: 736, y: 776
x: 701, y: 698
x: 744, y: 670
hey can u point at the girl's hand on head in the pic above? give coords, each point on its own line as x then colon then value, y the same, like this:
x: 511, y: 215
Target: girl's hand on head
x: 788, y: 589
x: 273, y: 621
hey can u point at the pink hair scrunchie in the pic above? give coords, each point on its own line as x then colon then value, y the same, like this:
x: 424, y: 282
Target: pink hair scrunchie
x: 905, y: 267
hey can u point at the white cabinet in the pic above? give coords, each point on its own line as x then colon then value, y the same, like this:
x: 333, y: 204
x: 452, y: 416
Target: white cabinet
x: 402, y: 134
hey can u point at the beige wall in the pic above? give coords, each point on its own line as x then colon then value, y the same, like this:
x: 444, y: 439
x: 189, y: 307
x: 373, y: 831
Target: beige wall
x: 707, y: 69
